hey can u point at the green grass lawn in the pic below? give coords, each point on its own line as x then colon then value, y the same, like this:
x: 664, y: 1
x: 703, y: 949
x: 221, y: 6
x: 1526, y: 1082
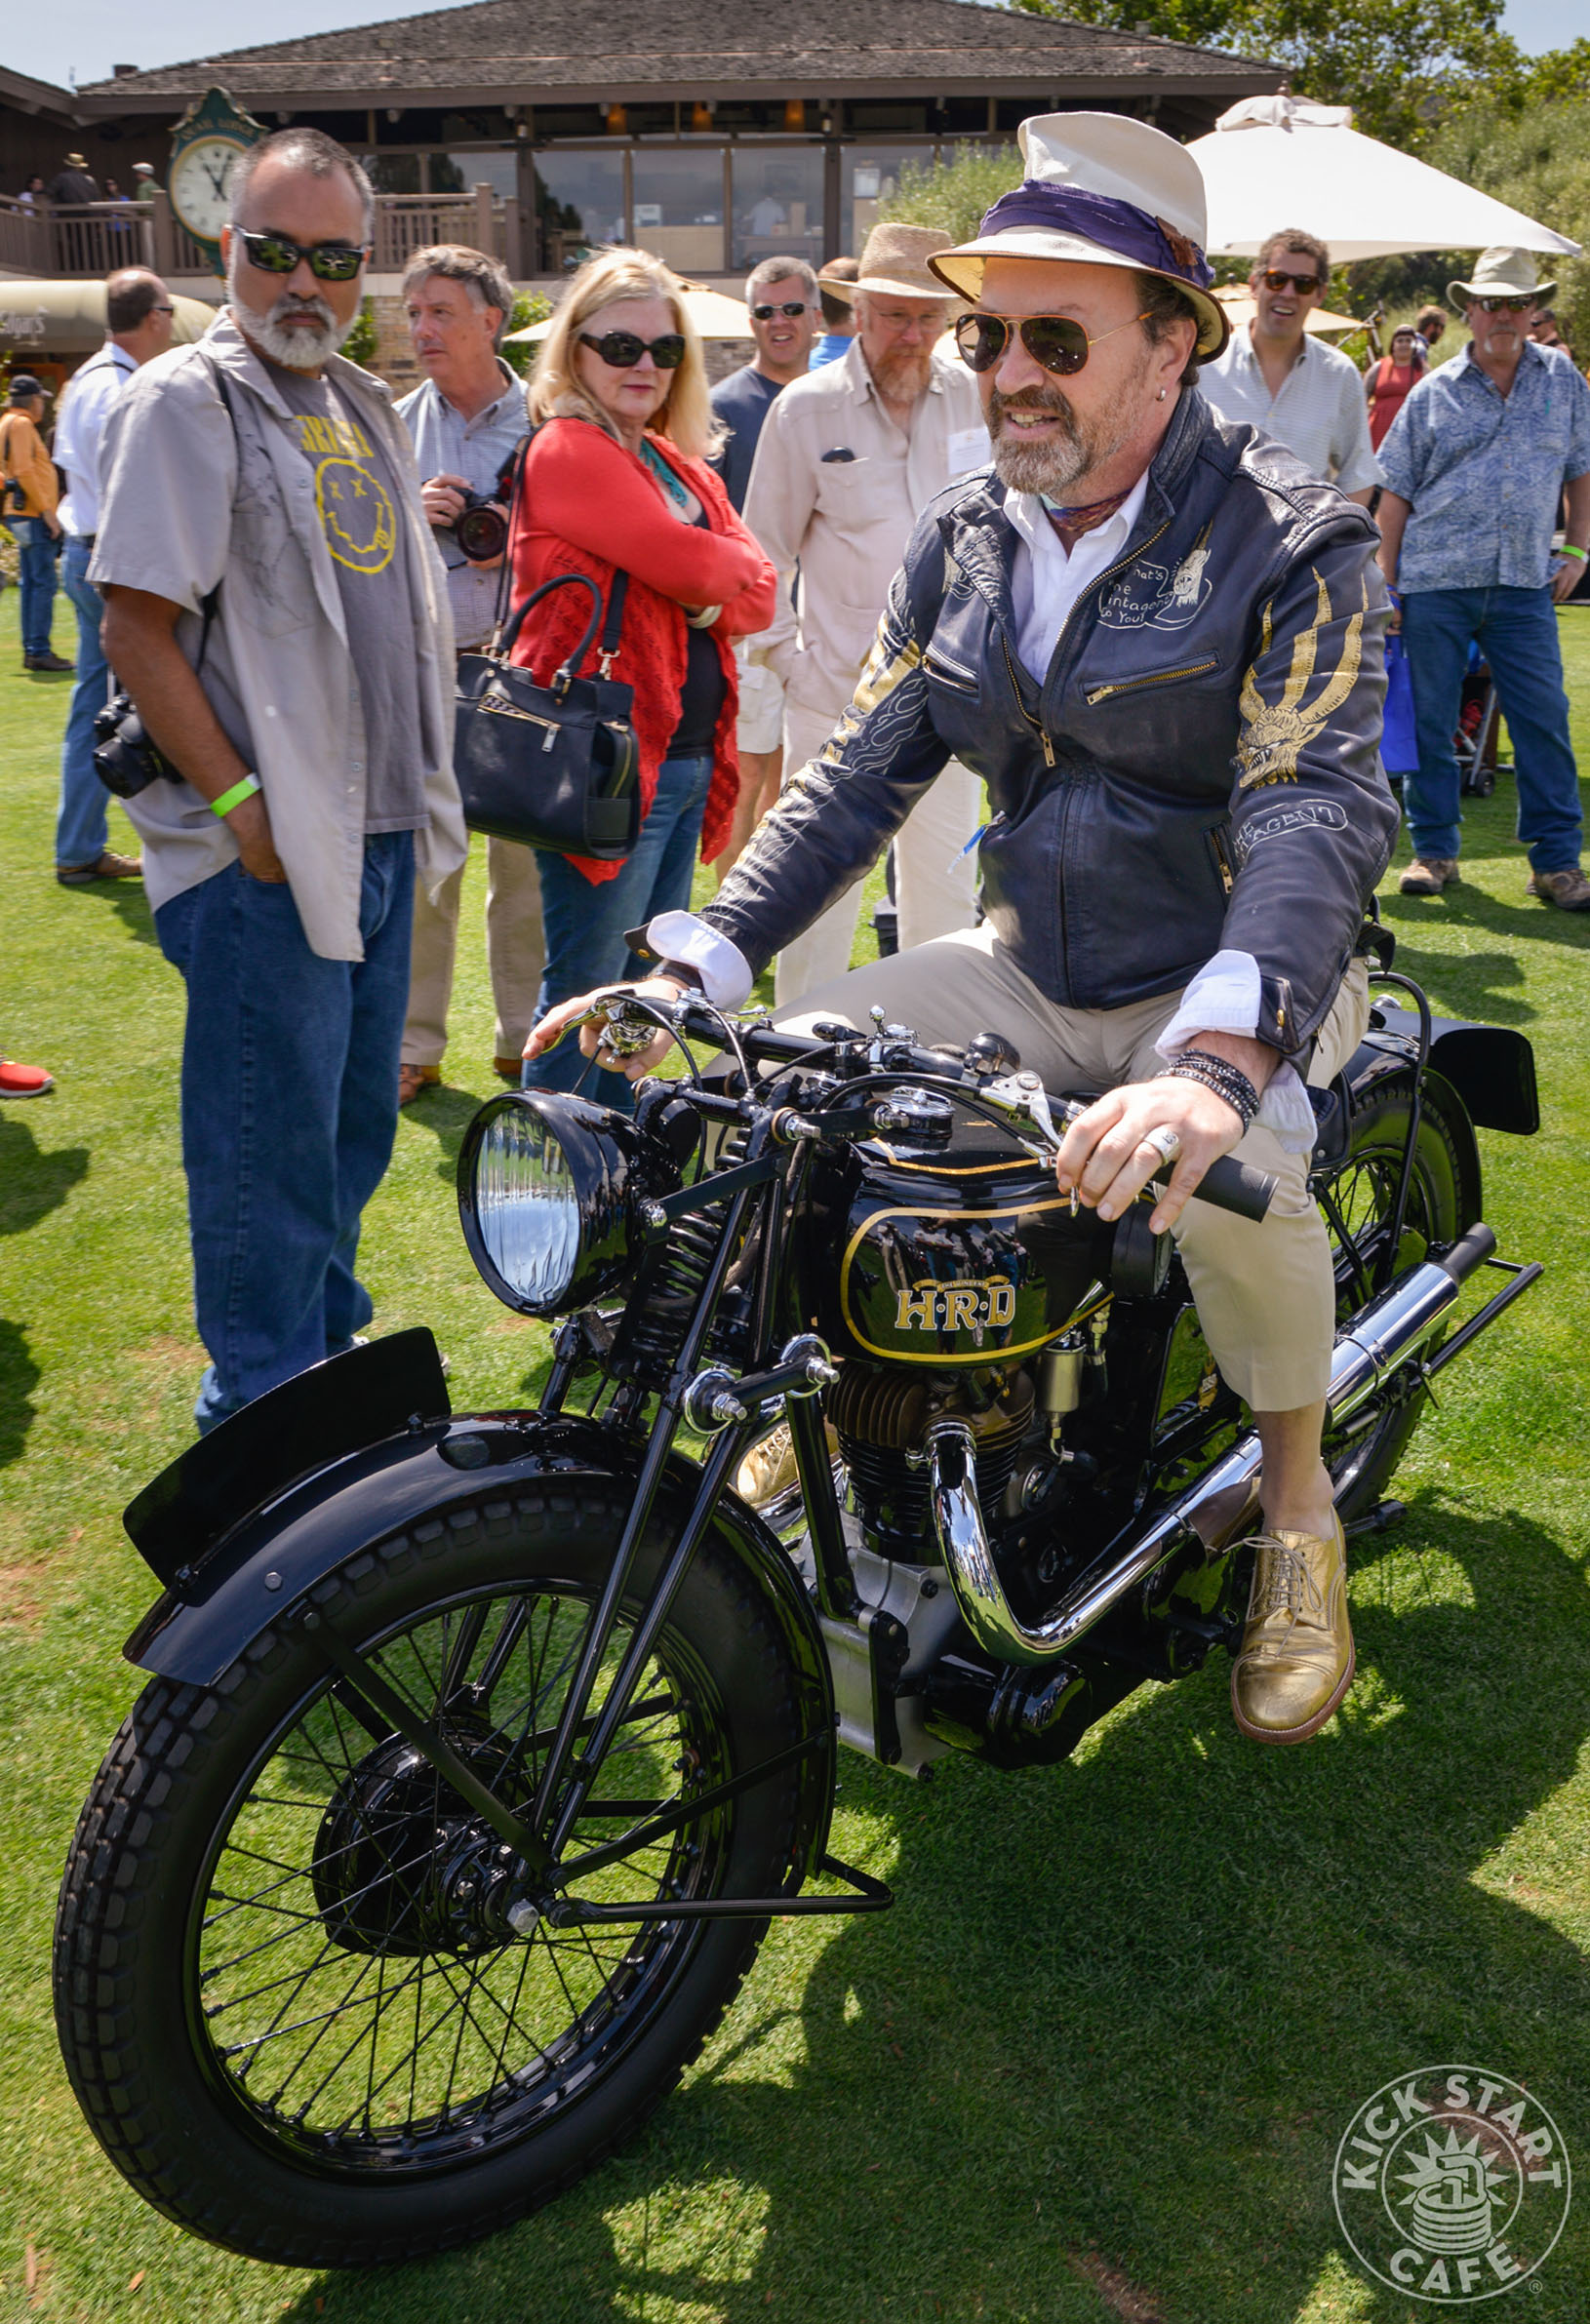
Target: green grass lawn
x: 1096, y: 2061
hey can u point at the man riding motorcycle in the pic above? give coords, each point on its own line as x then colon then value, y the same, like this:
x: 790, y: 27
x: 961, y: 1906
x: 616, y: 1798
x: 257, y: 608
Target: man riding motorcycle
x: 1159, y: 641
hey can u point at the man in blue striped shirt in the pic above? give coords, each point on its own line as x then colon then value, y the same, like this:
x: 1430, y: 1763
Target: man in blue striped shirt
x: 1476, y: 462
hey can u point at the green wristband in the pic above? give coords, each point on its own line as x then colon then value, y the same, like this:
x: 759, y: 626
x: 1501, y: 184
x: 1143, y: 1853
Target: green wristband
x: 1569, y: 550
x: 235, y: 797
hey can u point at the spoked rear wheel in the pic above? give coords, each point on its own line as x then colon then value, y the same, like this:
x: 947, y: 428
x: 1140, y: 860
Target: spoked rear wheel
x: 1359, y: 1198
x: 299, y: 1992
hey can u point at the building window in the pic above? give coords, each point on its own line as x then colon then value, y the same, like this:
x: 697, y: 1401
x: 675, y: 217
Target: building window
x: 678, y: 206
x: 579, y: 202
x: 393, y: 172
x: 778, y: 204
x: 868, y: 176
x: 462, y: 172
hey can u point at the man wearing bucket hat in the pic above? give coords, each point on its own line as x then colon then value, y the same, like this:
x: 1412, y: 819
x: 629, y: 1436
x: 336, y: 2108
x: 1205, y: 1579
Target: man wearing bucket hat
x: 1476, y: 462
x: 1159, y: 641
x: 848, y: 459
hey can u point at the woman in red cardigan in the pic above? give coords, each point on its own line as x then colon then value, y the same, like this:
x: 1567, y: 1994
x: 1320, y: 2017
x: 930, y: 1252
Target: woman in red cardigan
x: 616, y: 480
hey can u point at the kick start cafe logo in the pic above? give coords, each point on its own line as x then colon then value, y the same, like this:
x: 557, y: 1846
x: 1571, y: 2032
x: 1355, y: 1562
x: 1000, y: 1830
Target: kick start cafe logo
x: 1452, y: 2185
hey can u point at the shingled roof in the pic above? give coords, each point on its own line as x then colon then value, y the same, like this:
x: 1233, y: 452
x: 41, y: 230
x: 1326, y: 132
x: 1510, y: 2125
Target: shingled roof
x: 512, y: 51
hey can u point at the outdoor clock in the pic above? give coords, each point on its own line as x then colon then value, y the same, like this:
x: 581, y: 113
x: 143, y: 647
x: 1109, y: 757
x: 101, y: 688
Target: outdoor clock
x: 205, y: 148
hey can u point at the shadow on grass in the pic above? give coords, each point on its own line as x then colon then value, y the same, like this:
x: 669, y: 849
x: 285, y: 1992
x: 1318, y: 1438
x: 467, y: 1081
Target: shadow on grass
x: 20, y: 1375
x: 446, y: 1112
x: 1122, y: 2007
x: 1488, y: 984
x: 127, y: 899
x: 34, y: 1182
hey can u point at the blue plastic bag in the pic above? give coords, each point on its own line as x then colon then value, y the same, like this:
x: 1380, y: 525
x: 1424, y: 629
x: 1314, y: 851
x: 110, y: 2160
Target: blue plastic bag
x: 1399, y: 751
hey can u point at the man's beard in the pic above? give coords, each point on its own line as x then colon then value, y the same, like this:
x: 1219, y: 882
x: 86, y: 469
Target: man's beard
x: 1063, y: 461
x: 901, y: 374
x: 295, y: 349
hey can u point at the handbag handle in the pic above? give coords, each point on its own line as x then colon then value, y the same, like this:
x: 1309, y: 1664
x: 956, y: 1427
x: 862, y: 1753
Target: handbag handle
x: 561, y: 677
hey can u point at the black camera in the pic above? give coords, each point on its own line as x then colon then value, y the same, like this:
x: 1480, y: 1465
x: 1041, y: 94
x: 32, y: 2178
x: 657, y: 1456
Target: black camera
x: 479, y: 529
x: 125, y: 761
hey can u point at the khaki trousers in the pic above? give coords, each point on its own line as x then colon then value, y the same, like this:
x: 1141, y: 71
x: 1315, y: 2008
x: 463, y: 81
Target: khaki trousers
x: 1265, y: 1294
x: 936, y: 886
x: 515, y: 953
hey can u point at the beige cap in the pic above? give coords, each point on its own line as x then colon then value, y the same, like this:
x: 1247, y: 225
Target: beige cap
x: 894, y: 261
x: 1500, y: 274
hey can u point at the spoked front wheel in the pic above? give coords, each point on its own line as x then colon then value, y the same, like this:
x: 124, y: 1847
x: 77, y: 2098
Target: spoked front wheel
x: 300, y: 1995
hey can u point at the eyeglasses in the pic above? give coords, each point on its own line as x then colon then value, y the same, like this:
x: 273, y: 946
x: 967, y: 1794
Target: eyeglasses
x: 161, y: 310
x: 791, y: 308
x: 1502, y: 307
x: 621, y: 349
x: 328, y: 261
x: 1274, y: 279
x: 1055, y: 342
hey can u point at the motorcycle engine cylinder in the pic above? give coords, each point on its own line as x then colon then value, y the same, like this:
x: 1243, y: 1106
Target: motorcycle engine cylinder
x: 882, y: 1417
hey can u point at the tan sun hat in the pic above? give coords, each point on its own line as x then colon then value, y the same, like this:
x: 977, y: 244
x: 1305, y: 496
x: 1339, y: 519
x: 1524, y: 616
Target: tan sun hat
x: 1500, y: 273
x: 894, y: 261
x: 1101, y: 190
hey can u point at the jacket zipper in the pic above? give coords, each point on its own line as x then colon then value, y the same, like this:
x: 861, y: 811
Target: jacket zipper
x: 1127, y: 686
x: 1036, y: 724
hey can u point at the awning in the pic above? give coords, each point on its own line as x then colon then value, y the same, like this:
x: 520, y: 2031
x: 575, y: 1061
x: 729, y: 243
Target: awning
x: 1241, y: 304
x: 69, y: 318
x: 714, y: 316
x: 1274, y: 161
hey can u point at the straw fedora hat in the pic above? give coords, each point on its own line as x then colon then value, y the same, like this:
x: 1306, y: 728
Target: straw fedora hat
x: 1101, y: 190
x: 1499, y: 273
x: 74, y: 161
x: 894, y: 261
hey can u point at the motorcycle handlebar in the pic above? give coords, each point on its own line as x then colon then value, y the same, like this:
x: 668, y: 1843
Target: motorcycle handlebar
x: 1227, y: 1184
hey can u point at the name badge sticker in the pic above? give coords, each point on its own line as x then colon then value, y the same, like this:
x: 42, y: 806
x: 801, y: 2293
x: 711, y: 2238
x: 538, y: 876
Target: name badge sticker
x: 968, y: 449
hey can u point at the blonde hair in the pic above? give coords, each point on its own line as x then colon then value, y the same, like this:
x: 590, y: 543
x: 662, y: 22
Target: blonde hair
x: 686, y: 416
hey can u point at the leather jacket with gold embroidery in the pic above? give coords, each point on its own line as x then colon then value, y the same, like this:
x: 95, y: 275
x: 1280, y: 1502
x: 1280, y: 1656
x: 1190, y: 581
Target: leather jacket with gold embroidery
x: 1199, y: 769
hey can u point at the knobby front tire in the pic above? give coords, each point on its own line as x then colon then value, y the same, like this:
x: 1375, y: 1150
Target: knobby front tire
x: 284, y: 2004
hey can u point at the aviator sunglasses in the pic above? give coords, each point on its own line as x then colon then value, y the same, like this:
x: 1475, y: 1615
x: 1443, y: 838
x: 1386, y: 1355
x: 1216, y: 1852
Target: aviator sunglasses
x: 1504, y: 306
x: 619, y: 349
x: 328, y: 261
x: 1275, y: 278
x: 1055, y: 342
x: 791, y: 308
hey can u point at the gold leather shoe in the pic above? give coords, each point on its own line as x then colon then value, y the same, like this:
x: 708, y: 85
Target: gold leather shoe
x: 767, y: 1469
x: 1296, y: 1660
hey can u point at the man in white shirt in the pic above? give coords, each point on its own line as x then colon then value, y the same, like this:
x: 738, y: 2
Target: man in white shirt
x: 138, y: 312
x: 1286, y: 380
x: 467, y: 419
x: 848, y: 459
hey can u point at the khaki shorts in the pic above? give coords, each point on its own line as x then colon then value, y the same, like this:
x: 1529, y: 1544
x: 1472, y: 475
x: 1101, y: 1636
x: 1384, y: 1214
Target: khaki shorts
x: 761, y: 725
x: 1265, y: 1293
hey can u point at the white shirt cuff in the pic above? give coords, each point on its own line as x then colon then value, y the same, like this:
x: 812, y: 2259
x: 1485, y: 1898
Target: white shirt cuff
x: 724, y: 971
x: 1224, y: 998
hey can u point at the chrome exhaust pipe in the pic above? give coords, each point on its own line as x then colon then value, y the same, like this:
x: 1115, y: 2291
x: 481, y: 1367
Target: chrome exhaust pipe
x: 1391, y: 1329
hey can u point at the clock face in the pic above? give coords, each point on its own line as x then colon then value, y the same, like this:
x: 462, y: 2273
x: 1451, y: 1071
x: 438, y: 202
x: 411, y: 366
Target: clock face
x: 200, y: 177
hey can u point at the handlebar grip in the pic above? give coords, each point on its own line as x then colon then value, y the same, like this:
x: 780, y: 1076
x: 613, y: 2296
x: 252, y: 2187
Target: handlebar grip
x: 1236, y: 1186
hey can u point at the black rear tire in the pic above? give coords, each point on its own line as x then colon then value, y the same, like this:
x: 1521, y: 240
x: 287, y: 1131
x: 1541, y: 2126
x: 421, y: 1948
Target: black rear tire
x: 254, y: 1870
x: 1362, y: 1456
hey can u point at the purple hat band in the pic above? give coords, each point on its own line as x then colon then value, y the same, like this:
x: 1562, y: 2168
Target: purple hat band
x: 1138, y: 239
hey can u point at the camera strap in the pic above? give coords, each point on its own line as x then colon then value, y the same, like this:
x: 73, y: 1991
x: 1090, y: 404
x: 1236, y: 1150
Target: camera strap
x: 514, y: 480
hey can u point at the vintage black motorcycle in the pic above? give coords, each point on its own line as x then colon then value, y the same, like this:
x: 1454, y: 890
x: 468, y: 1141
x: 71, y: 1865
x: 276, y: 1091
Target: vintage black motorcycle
x: 479, y: 1751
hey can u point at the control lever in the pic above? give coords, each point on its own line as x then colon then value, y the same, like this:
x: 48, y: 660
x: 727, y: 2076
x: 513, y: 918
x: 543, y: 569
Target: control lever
x: 1227, y: 1184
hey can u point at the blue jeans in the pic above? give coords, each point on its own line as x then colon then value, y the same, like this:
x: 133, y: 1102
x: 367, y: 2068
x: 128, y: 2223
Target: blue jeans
x: 585, y: 921
x: 35, y: 580
x: 1517, y: 633
x: 290, y: 1089
x: 81, y: 828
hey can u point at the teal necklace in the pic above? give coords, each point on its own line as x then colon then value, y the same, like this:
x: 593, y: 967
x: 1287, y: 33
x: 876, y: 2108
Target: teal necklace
x: 663, y: 473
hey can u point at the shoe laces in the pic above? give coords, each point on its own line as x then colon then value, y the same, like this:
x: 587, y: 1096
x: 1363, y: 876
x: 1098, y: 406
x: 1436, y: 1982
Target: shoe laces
x: 1285, y: 1585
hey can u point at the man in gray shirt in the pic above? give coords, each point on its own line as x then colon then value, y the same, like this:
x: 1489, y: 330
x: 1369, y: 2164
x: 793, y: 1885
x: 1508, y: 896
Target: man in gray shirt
x: 467, y: 420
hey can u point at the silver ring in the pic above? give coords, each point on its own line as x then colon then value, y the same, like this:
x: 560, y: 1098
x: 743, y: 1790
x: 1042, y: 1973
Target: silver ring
x: 1165, y: 1142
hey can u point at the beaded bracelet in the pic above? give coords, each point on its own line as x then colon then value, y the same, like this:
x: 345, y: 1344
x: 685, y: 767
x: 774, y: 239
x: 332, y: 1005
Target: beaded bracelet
x: 1219, y: 1075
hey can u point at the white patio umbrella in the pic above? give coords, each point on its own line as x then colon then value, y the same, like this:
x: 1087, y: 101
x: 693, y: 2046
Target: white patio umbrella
x: 715, y: 317
x: 1276, y: 161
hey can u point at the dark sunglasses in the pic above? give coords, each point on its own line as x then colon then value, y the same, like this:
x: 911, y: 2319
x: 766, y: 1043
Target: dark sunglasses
x: 621, y: 349
x: 1055, y: 342
x: 1503, y: 307
x: 1274, y: 279
x: 791, y: 308
x: 328, y: 261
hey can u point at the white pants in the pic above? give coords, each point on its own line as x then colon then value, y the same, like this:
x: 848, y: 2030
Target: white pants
x: 515, y: 952
x: 935, y: 886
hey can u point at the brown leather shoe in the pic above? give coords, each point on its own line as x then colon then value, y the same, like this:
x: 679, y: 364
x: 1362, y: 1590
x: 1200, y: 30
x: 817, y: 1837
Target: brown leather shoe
x: 1568, y: 890
x: 1296, y: 1660
x: 412, y: 1079
x: 509, y: 1069
x: 109, y: 866
x: 1428, y: 875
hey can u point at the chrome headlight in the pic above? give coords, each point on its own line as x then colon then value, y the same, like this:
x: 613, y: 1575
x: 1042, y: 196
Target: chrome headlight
x: 545, y: 1195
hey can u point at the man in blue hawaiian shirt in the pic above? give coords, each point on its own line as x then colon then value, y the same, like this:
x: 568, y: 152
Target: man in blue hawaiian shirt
x: 1476, y: 462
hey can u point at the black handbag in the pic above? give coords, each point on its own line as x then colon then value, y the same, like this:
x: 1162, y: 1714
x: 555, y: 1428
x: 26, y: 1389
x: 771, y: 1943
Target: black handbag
x: 555, y: 766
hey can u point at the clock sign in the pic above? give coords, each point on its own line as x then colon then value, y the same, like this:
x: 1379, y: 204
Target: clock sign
x: 205, y: 148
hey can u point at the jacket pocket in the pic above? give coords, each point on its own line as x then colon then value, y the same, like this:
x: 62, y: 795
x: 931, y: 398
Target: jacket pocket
x: 944, y: 670
x: 1130, y: 685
